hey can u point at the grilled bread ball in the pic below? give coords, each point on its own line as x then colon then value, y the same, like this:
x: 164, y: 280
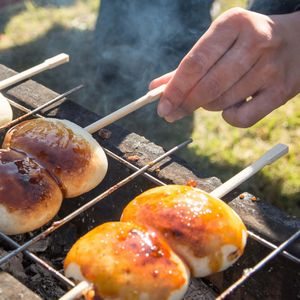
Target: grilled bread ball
x: 29, y: 196
x: 127, y: 261
x: 204, y: 231
x: 6, y: 114
x: 69, y: 152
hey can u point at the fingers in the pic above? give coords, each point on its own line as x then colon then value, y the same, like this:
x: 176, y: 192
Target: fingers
x: 238, y: 58
x: 224, y: 74
x: 161, y: 80
x: 222, y: 77
x: 207, y: 51
x: 247, y: 113
x: 247, y: 86
x: 231, y: 79
x: 177, y: 115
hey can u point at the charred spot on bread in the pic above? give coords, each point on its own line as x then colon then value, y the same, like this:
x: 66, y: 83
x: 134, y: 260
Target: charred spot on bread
x: 29, y: 195
x: 65, y: 149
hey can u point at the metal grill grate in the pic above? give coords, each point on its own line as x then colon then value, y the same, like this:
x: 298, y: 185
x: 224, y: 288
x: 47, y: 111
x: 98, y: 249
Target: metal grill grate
x: 137, y: 172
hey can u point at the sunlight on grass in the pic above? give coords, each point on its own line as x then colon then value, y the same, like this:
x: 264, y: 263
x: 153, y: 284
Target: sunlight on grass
x: 233, y: 146
x: 35, y: 20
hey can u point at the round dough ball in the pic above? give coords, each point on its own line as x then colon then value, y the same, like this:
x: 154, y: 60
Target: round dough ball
x: 65, y: 149
x: 29, y: 196
x: 6, y: 114
x: 127, y: 261
x: 204, y: 231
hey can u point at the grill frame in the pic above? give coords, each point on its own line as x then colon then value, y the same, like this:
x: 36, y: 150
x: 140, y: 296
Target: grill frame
x: 32, y: 94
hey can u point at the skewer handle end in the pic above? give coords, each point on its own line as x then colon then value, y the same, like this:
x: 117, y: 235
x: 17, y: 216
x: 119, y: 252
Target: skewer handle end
x: 268, y: 158
x: 276, y: 152
x: 57, y: 60
x: 49, y: 63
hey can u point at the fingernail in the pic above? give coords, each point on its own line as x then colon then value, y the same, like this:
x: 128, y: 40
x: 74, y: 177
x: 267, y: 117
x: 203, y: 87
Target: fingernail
x: 164, y: 107
x: 170, y: 119
x: 174, y: 117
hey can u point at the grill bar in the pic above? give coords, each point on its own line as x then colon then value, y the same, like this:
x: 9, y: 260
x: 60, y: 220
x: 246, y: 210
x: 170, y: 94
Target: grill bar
x: 38, y: 260
x: 83, y: 208
x: 22, y: 108
x: 38, y: 109
x: 272, y: 246
x: 251, y: 271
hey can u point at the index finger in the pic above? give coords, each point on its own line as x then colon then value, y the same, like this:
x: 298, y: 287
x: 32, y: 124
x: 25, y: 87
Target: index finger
x: 206, y: 52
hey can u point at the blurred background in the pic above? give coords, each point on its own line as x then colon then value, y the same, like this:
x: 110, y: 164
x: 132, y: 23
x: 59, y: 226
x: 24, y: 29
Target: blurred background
x: 31, y: 31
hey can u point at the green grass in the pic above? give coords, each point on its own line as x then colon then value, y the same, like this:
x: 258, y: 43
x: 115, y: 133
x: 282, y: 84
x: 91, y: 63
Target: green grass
x: 218, y: 149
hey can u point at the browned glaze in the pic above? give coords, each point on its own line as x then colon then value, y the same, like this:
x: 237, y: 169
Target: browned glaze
x: 53, y: 145
x: 125, y: 258
x: 23, y: 182
x: 189, y: 217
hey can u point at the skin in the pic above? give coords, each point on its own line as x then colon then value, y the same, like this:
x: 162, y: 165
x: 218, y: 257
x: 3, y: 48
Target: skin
x: 246, y: 65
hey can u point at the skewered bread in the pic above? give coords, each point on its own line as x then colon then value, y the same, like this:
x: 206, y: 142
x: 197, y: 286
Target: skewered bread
x: 29, y: 196
x: 65, y: 149
x: 204, y: 231
x: 6, y: 114
x: 127, y: 261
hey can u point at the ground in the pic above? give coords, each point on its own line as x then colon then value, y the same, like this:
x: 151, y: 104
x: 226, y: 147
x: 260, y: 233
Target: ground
x: 31, y: 31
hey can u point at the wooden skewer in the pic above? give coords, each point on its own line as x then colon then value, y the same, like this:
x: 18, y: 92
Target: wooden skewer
x: 268, y: 158
x: 150, y: 97
x: 77, y: 291
x: 46, y: 65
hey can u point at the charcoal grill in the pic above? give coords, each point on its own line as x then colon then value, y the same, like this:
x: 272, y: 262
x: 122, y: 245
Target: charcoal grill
x: 42, y: 272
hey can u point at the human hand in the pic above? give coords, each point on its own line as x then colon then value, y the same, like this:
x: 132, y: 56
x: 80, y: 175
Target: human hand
x: 245, y: 65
